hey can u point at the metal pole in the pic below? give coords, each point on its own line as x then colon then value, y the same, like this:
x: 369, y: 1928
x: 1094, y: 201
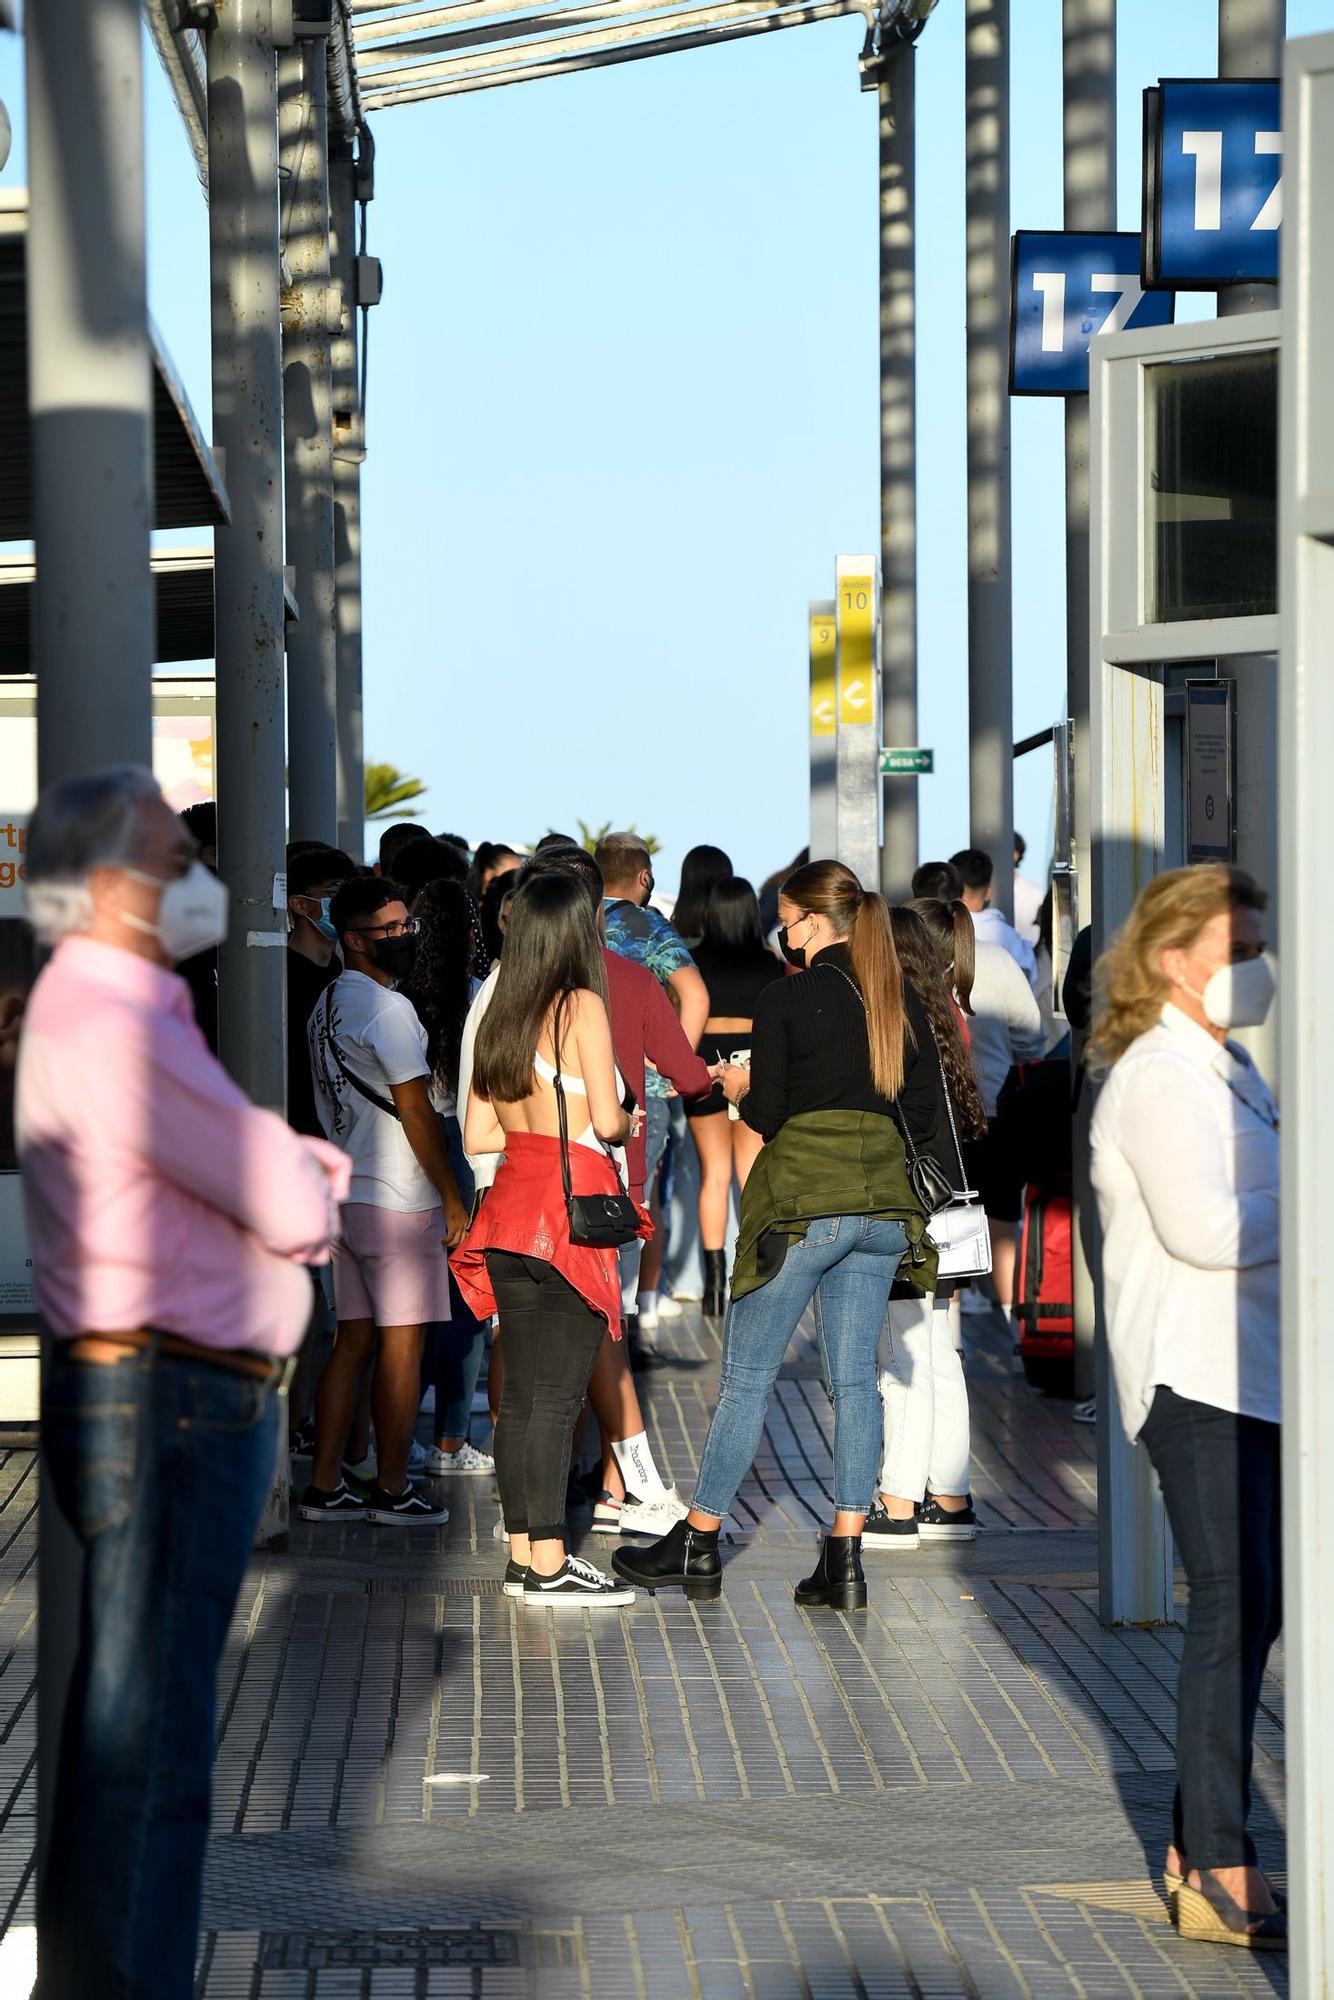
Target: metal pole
x: 1089, y: 117
x: 248, y: 565
x: 1250, y: 43
x: 303, y: 150
x: 1306, y: 668
x: 90, y: 394
x: 987, y: 197
x: 90, y: 386
x: 898, y: 457
x: 823, y: 640
x: 348, y: 452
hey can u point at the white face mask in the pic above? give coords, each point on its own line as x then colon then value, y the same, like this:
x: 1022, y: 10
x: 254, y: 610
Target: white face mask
x: 192, y: 914
x: 1238, y: 996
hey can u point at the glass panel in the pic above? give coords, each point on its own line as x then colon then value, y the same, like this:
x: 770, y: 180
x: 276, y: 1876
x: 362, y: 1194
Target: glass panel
x: 1213, y: 487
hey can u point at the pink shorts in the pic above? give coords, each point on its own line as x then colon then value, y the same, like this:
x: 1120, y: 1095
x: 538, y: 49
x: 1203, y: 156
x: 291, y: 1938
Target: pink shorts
x: 389, y: 1265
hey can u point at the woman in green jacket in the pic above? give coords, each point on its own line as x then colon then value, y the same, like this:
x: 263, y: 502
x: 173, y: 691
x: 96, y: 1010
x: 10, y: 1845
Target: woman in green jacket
x: 841, y: 1060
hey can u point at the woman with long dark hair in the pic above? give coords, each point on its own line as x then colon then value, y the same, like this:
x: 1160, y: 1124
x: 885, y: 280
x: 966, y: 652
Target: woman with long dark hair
x: 924, y: 1492
x: 441, y: 988
x: 840, y: 1058
x: 736, y: 968
x: 545, y: 1031
x: 702, y: 870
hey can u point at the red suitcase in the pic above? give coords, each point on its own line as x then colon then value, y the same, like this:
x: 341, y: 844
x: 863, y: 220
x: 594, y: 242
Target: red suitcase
x: 1044, y: 1310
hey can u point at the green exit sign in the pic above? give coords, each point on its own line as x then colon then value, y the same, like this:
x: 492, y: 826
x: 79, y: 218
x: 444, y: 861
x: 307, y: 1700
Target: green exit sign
x: 907, y: 763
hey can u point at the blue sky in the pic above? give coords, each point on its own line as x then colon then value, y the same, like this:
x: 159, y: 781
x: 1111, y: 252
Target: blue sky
x: 623, y: 415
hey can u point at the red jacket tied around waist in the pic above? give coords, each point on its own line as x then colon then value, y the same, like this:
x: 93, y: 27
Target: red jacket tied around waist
x: 524, y: 1213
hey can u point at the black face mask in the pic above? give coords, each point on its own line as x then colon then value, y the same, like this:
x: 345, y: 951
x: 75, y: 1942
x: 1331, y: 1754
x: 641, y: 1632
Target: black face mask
x: 397, y: 955
x: 795, y: 954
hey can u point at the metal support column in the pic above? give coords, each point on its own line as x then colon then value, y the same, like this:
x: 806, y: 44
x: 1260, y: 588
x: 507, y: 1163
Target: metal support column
x: 248, y: 564
x: 90, y: 390
x: 1306, y: 667
x: 987, y: 197
x: 349, y: 450
x: 90, y: 386
x: 303, y: 150
x: 898, y: 456
x: 1250, y: 44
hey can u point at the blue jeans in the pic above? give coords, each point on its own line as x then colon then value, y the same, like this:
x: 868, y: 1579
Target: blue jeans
x: 456, y: 1347
x: 161, y: 1467
x: 846, y: 1264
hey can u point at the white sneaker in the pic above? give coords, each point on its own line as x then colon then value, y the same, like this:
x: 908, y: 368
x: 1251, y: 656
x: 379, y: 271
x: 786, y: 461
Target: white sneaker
x: 365, y: 1468
x: 652, y: 1513
x: 417, y: 1456
x: 440, y: 1464
x: 668, y: 1307
x: 578, y: 1584
x: 1086, y: 1413
x: 500, y: 1533
x: 648, y: 1322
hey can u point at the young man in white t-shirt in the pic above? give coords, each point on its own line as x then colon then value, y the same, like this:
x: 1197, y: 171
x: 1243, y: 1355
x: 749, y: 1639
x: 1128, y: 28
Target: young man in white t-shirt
x: 372, y: 1079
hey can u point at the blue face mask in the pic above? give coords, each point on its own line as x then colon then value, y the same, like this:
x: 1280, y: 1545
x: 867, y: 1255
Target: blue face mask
x: 321, y: 923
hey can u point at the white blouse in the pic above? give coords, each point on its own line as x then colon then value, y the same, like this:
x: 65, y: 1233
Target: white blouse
x: 1185, y: 1167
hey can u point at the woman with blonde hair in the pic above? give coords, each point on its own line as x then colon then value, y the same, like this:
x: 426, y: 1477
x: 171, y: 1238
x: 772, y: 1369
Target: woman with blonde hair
x: 839, y: 1056
x: 1185, y: 1165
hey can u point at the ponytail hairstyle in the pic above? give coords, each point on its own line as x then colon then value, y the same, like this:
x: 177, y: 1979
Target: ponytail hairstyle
x: 828, y: 889
x: 951, y: 925
x: 927, y: 972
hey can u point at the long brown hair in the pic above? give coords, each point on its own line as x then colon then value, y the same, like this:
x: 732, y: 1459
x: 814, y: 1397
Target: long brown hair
x: 927, y: 972
x: 951, y: 926
x: 1130, y: 985
x: 828, y: 889
x: 552, y: 950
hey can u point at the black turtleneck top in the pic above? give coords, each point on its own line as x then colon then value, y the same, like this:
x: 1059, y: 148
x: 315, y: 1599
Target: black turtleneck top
x: 809, y: 1052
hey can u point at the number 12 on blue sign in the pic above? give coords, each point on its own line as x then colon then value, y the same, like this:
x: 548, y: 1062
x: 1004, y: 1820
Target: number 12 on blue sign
x: 1065, y: 287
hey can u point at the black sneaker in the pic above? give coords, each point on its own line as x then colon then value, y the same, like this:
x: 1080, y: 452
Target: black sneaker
x: 514, y: 1576
x: 301, y: 1443
x: 945, y: 1524
x: 882, y: 1531
x: 575, y: 1583
x: 340, y: 1505
x: 408, y: 1509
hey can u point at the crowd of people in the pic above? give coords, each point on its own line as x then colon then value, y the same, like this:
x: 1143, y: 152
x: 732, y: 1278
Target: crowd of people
x: 535, y: 1109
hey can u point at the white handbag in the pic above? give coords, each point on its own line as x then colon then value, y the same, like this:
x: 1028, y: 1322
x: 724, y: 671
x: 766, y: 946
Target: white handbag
x: 960, y: 1232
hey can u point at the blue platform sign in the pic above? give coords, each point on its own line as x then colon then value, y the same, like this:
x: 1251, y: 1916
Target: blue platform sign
x: 1065, y: 287
x: 1213, y: 198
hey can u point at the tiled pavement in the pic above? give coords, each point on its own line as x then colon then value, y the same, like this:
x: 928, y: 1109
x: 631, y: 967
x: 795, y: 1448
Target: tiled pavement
x: 424, y: 1789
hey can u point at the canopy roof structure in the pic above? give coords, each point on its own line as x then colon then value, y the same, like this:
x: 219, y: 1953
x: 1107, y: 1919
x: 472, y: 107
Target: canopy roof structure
x: 407, y: 52
x: 187, y: 485
x: 182, y: 599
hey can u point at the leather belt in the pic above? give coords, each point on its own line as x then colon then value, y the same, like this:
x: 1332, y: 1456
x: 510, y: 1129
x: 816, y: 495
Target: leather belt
x: 232, y: 1360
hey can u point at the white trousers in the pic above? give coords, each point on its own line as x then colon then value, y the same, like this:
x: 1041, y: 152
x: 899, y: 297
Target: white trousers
x: 925, y: 1399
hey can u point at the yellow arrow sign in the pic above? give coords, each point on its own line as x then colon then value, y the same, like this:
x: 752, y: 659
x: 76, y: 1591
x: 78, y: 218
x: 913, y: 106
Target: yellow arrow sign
x: 856, y: 652
x: 824, y: 654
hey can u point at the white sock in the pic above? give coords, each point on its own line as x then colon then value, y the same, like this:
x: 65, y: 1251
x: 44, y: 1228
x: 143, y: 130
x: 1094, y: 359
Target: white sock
x: 647, y: 1304
x: 640, y: 1474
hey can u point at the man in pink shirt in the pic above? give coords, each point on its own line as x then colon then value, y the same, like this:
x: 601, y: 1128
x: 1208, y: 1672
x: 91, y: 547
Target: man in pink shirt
x: 170, y: 1224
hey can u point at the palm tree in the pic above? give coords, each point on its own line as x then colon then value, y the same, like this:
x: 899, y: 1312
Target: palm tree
x: 388, y: 792
x: 591, y: 835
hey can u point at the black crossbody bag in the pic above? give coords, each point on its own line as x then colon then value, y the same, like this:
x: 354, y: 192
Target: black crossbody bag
x: 371, y: 1096
x: 597, y: 1221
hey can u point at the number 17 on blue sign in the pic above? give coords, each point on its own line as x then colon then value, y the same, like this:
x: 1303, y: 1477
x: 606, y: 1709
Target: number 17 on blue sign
x: 1066, y: 287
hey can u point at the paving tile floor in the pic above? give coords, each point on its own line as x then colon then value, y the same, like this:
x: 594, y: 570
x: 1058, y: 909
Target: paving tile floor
x: 424, y: 1788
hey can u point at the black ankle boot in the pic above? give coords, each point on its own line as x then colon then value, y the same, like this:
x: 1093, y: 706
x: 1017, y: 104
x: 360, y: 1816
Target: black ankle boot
x: 715, y: 1283
x: 837, y: 1581
x: 685, y: 1556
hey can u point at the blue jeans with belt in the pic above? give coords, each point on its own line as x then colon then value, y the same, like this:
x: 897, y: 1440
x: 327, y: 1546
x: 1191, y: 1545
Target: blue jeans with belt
x: 845, y: 1264
x: 161, y: 1466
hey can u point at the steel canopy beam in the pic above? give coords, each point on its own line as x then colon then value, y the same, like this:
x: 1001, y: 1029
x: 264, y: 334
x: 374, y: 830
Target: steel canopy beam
x: 451, y: 83
x: 378, y: 66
